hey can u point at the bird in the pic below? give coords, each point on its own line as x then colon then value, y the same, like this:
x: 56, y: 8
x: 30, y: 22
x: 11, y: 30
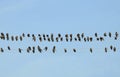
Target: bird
x: 110, y: 34
x: 75, y: 39
x: 59, y: 35
x: 39, y: 49
x: 1, y: 49
x: 46, y: 48
x: 98, y: 39
x: 28, y: 35
x: 52, y: 38
x: 48, y: 39
x: 78, y: 35
x: 61, y: 39
x: 116, y: 34
x: 47, y: 35
x: 96, y: 34
x: 101, y: 38
x: 9, y: 48
x: 19, y: 49
x: 114, y: 49
x: 40, y: 39
x: 105, y: 34
x: 7, y: 36
x: 16, y: 38
x: 105, y: 49
x: 91, y: 50
x: 74, y: 50
x: 2, y: 36
x: 82, y: 35
x: 44, y: 38
x: 56, y: 39
x: 12, y: 38
x: 54, y: 49
x: 23, y: 35
x: 33, y: 49
x: 65, y: 50
x: 111, y: 47
x: 28, y: 49
x: 91, y: 39
x: 21, y: 38
x: 84, y: 39
x: 79, y: 39
x: 34, y: 38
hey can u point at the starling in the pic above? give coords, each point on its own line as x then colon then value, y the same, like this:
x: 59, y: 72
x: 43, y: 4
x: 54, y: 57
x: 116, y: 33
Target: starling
x: 54, y: 49
x: 8, y: 48
x: 91, y: 50
x: 65, y: 50
x: 96, y: 34
x: 110, y: 34
x: 74, y: 50
x: 105, y: 49
x: 39, y: 49
x: 7, y: 36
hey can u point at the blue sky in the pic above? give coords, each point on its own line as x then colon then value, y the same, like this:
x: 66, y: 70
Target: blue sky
x: 60, y: 16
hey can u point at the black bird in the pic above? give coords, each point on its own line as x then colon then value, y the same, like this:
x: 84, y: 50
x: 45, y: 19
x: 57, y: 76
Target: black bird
x: 82, y: 35
x: 19, y: 49
x: 65, y: 50
x: 59, y: 35
x: 40, y: 39
x: 9, y: 48
x: 111, y: 47
x: 52, y: 38
x: 75, y: 39
x: 12, y: 38
x: 28, y: 35
x: 74, y: 50
x: 116, y: 34
x: 16, y: 38
x: 98, y: 39
x: 105, y: 49
x: 46, y: 48
x: 91, y: 50
x: 33, y: 49
x: 7, y: 36
x: 79, y: 39
x: 34, y: 38
x: 96, y: 35
x: 39, y: 49
x: 54, y: 49
x: 56, y: 39
x: 28, y: 49
x: 101, y: 39
x: 61, y: 39
x: 48, y: 39
x: 1, y: 49
x: 23, y: 35
x: 21, y: 38
x: 44, y: 35
x: 105, y: 34
x: 47, y: 35
x: 91, y: 39
x: 44, y: 38
x: 85, y: 39
x: 114, y: 49
x: 2, y: 36
x: 110, y: 34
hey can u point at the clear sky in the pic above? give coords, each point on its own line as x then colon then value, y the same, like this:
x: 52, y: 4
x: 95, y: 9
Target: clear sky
x: 60, y: 16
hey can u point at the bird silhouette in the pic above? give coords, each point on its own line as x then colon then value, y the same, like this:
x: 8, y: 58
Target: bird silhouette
x: 110, y: 34
x: 111, y: 47
x: 21, y: 38
x: 65, y: 50
x: 20, y: 50
x: 33, y: 49
x: 91, y: 50
x: 1, y: 49
x: 114, y: 49
x: 7, y: 36
x: 46, y: 48
x: 28, y: 35
x: 2, y: 36
x: 91, y: 39
x: 82, y: 35
x: 54, y: 49
x: 39, y: 49
x: 59, y: 35
x: 23, y: 35
x: 9, y: 48
x: 74, y: 50
x: 12, y: 38
x: 16, y: 38
x: 105, y: 49
x: 96, y: 35
x: 105, y: 34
